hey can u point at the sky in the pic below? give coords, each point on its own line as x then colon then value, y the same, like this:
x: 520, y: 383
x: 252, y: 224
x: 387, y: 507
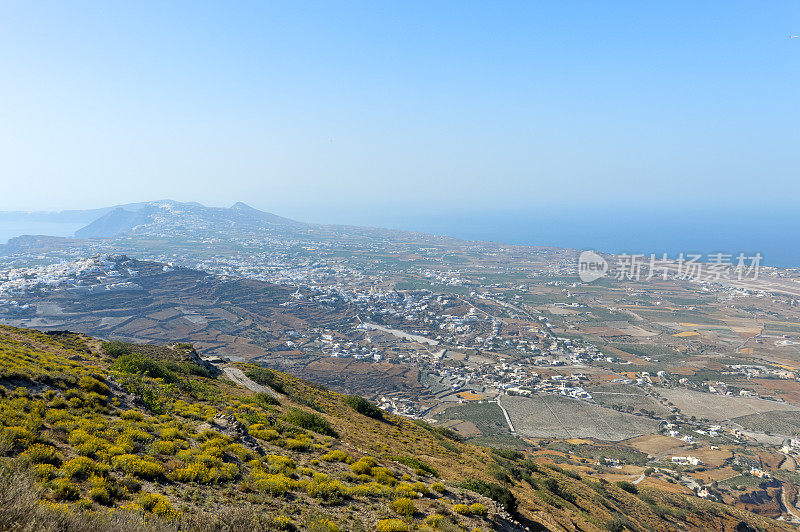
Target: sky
x: 328, y: 109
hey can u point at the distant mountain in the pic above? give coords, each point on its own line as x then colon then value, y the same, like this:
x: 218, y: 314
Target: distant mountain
x: 114, y: 223
x: 160, y: 215
x: 247, y: 211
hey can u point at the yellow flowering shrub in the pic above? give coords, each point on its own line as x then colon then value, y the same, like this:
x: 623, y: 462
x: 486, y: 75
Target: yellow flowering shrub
x: 164, y: 447
x: 328, y: 490
x: 138, y: 466
x: 392, y: 525
x: 275, y: 485
x: 363, y: 466
x: 477, y: 509
x: 81, y: 468
x: 39, y: 453
x: 462, y: 509
x: 403, y: 506
x: 158, y: 505
x: 435, y: 520
x: 336, y: 456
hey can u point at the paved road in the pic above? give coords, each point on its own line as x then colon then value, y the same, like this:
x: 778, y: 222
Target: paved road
x: 641, y: 478
x: 238, y: 376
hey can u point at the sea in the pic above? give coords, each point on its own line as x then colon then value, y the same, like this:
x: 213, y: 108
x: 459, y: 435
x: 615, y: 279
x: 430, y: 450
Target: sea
x: 772, y: 233
x: 11, y: 229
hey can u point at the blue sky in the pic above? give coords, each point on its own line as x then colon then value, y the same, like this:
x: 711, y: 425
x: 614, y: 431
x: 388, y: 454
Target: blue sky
x: 316, y: 109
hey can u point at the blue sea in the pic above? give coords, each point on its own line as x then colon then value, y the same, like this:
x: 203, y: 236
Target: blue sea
x: 772, y: 232
x: 629, y: 229
x: 11, y: 229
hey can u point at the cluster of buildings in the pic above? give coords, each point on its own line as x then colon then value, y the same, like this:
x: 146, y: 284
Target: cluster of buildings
x: 90, y: 275
x: 764, y: 372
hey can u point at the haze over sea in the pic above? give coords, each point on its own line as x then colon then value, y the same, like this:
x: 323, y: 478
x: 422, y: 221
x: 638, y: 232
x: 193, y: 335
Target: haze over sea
x: 623, y: 229
x: 11, y: 229
x: 631, y: 229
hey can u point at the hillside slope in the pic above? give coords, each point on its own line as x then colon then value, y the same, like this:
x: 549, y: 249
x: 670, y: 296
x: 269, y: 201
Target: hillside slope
x: 113, y: 223
x: 120, y: 437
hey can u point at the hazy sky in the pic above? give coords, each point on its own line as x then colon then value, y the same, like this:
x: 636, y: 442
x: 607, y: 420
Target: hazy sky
x: 295, y: 106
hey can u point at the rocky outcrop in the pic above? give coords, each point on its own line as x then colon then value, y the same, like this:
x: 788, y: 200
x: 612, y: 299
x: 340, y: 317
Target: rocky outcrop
x: 232, y: 427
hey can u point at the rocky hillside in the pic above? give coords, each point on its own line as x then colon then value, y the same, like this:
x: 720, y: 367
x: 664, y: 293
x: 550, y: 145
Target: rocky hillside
x: 117, y: 436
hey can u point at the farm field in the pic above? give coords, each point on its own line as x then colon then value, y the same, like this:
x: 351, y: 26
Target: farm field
x: 628, y: 398
x: 484, y: 417
x: 786, y: 423
x: 655, y: 444
x: 719, y: 407
x: 561, y: 417
x: 711, y: 457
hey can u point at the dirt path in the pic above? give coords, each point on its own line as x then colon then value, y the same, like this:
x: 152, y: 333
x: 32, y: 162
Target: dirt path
x: 789, y: 508
x: 238, y: 376
x: 505, y: 413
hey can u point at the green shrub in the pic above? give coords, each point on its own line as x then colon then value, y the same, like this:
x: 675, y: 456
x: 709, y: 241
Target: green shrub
x: 509, y: 454
x: 187, y: 368
x: 499, y: 494
x: 384, y: 476
x: 447, y: 433
x: 100, y: 495
x: 65, y: 490
x: 116, y: 348
x: 266, y: 377
x: 275, y: 485
x: 265, y: 399
x: 415, y: 463
x: 311, y: 421
x: 435, y: 520
x: 618, y: 524
x: 370, y: 489
x: 90, y: 384
x: 282, y: 522
x: 136, y: 363
x: 15, y: 438
x: 164, y: 447
x: 628, y: 486
x: 362, y: 406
